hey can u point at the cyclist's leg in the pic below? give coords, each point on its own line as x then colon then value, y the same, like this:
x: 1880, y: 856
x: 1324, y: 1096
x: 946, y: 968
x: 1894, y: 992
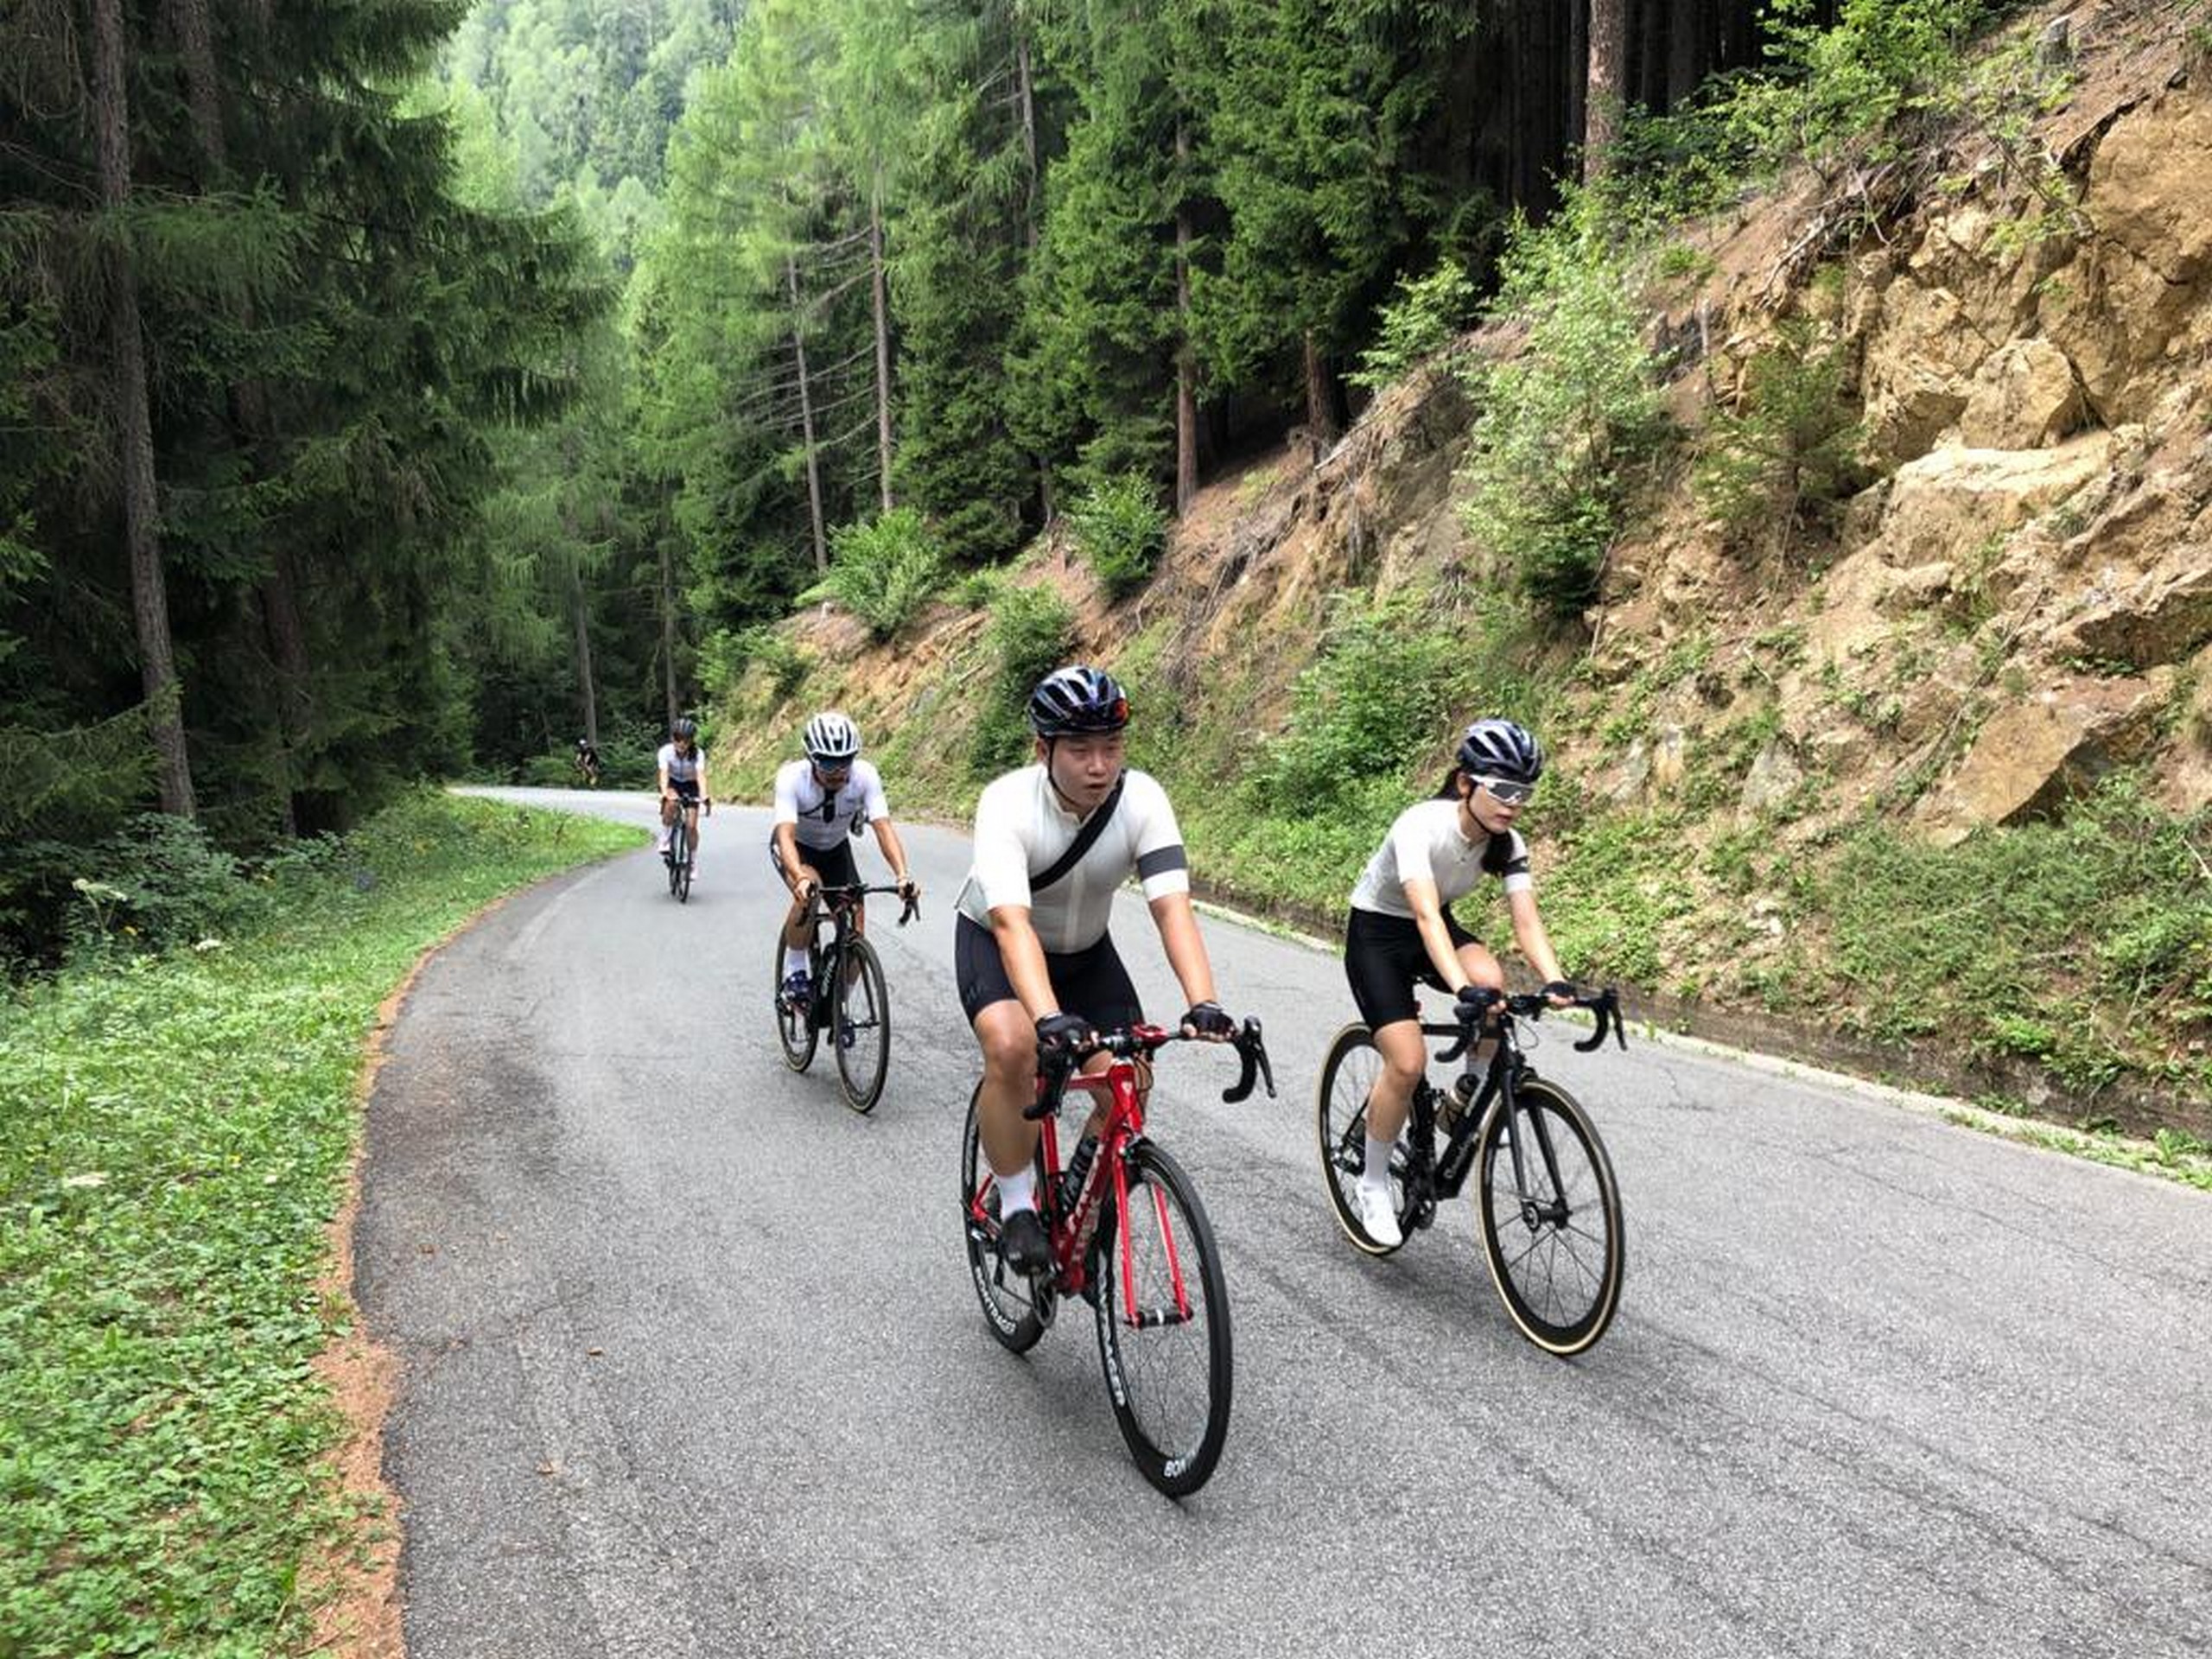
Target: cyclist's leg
x: 1008, y: 1040
x: 1482, y: 968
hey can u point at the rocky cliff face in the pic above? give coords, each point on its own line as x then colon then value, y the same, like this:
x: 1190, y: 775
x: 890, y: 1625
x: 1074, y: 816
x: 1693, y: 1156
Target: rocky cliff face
x: 2024, y: 599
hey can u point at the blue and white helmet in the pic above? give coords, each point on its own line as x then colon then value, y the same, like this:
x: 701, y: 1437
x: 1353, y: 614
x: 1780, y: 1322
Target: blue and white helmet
x: 832, y: 740
x: 1078, y: 702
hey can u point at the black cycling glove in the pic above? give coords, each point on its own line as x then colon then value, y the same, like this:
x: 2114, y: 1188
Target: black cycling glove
x: 1208, y: 1021
x: 1062, y: 1033
x: 1475, y: 1003
x: 1566, y: 989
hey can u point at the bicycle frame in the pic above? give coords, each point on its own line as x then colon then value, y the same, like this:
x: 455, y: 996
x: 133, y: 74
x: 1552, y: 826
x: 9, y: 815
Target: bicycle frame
x: 1117, y: 1089
x: 1442, y: 1175
x: 839, y: 906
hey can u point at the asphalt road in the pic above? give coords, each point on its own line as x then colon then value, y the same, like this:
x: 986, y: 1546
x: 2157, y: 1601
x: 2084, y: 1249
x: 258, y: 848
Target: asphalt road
x: 692, y: 1365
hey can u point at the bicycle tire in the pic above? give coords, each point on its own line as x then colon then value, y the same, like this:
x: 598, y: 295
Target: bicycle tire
x: 678, y: 851
x: 861, y: 1028
x: 1340, y: 1130
x: 1016, y: 1310
x: 1169, y: 1372
x: 795, y: 1028
x: 1558, y: 1274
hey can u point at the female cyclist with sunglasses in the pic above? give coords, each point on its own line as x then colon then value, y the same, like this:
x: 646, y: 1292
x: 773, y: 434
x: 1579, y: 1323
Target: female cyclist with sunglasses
x: 1401, y: 930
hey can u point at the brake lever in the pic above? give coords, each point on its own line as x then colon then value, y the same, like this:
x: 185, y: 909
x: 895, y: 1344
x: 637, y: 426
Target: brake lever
x: 912, y: 910
x: 1252, y: 1055
x: 1607, y: 1009
x: 1058, y: 1069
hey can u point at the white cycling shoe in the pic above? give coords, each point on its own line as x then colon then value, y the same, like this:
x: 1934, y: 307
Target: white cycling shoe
x: 1378, y: 1215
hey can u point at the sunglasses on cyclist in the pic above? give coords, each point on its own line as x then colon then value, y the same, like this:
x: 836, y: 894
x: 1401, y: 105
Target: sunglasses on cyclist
x: 1507, y: 792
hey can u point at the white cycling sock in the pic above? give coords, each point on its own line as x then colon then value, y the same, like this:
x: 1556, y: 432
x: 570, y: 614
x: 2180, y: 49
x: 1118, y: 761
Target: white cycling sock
x: 1017, y: 1192
x: 794, y: 962
x: 1378, y: 1172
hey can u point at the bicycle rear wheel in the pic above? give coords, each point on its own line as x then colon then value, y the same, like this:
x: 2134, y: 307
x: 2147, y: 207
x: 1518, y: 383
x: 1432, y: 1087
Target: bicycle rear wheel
x: 1163, y: 1327
x: 862, y: 1033
x: 1016, y: 1309
x: 1551, y: 1218
x: 795, y: 1028
x: 1340, y: 1125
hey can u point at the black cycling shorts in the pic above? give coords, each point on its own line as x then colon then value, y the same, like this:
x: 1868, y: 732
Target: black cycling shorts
x: 1384, y: 958
x: 1092, y: 983
x: 834, y: 863
x: 686, y: 788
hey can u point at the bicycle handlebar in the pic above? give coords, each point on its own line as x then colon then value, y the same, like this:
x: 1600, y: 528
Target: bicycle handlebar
x: 1132, y: 1042
x: 1605, y: 1005
x: 911, y: 911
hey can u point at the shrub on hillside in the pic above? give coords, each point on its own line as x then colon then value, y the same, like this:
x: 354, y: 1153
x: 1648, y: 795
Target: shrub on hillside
x: 1121, y: 529
x: 1419, y: 321
x: 1032, y: 632
x: 883, y: 572
x: 1561, y: 429
x: 1787, y: 453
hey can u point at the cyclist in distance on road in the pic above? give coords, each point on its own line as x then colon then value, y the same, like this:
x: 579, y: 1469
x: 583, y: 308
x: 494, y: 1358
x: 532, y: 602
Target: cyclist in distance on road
x: 682, y: 772
x: 588, y: 762
x: 1401, y: 930
x: 1036, y: 967
x: 821, y: 802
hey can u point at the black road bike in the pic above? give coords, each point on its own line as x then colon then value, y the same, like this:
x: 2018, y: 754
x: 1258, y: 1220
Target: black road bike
x: 681, y: 850
x: 846, y: 996
x: 1545, y: 1199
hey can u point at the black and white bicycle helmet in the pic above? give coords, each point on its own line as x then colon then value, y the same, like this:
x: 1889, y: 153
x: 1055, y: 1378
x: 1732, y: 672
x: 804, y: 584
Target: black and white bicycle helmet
x: 1501, y: 749
x: 685, y: 730
x: 831, y: 739
x: 1078, y: 702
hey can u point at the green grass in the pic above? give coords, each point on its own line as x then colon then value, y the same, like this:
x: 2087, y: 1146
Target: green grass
x: 175, y: 1135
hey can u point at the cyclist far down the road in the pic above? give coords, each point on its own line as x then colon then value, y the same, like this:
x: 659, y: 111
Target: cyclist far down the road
x: 1401, y: 930
x: 821, y: 802
x: 683, y: 784
x: 1036, y: 967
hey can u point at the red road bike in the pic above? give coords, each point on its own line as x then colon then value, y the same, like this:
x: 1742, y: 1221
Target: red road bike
x: 1130, y: 1237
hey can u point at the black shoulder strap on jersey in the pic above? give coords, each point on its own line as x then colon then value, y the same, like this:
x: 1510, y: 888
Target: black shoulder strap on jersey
x: 1085, y: 839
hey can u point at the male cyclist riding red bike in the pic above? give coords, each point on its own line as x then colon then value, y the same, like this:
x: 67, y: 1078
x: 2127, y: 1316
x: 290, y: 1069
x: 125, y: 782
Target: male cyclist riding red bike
x: 1037, y: 968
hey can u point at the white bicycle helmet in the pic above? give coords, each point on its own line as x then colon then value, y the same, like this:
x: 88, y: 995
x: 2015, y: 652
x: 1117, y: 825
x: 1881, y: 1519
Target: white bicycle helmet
x: 831, y: 739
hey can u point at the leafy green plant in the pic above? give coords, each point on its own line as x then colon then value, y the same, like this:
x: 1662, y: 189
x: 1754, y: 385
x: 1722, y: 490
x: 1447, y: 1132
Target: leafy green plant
x: 1416, y: 322
x: 1561, y: 429
x: 1121, y: 529
x: 1031, y: 632
x: 883, y: 572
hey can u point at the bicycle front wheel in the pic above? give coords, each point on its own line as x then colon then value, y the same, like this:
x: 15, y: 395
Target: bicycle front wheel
x: 794, y: 1026
x: 1016, y: 1309
x: 1340, y: 1124
x: 1163, y: 1327
x: 1551, y: 1218
x: 863, y: 1028
x: 679, y: 857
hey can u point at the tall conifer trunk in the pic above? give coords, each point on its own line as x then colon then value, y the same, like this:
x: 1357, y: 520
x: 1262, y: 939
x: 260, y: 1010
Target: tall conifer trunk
x: 1026, y: 93
x: 806, y: 417
x: 668, y: 624
x: 1320, y: 395
x: 1608, y: 84
x: 134, y: 432
x: 1186, y: 372
x: 882, y: 341
x: 588, y: 691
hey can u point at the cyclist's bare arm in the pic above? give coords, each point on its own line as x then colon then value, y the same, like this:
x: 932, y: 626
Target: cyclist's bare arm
x: 894, y: 851
x: 1023, y: 954
x: 1186, y: 948
x: 796, y: 870
x: 1528, y: 933
x: 1428, y: 917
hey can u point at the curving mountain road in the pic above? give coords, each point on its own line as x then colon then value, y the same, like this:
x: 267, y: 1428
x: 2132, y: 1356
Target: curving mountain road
x: 692, y: 1365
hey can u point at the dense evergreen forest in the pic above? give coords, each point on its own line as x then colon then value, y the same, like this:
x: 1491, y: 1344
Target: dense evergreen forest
x: 394, y: 390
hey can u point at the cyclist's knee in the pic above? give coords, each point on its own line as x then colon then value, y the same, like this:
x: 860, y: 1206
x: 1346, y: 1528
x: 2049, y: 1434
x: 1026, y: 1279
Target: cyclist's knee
x: 1009, y: 1053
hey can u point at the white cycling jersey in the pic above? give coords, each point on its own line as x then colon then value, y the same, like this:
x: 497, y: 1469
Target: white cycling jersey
x: 1021, y: 830
x: 681, y: 768
x: 1425, y: 845
x: 822, y: 817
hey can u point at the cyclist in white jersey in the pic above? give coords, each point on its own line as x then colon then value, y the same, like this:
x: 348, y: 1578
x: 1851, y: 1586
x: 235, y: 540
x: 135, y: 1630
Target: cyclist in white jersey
x: 682, y: 772
x: 820, y: 803
x: 1036, y: 967
x: 1401, y: 929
